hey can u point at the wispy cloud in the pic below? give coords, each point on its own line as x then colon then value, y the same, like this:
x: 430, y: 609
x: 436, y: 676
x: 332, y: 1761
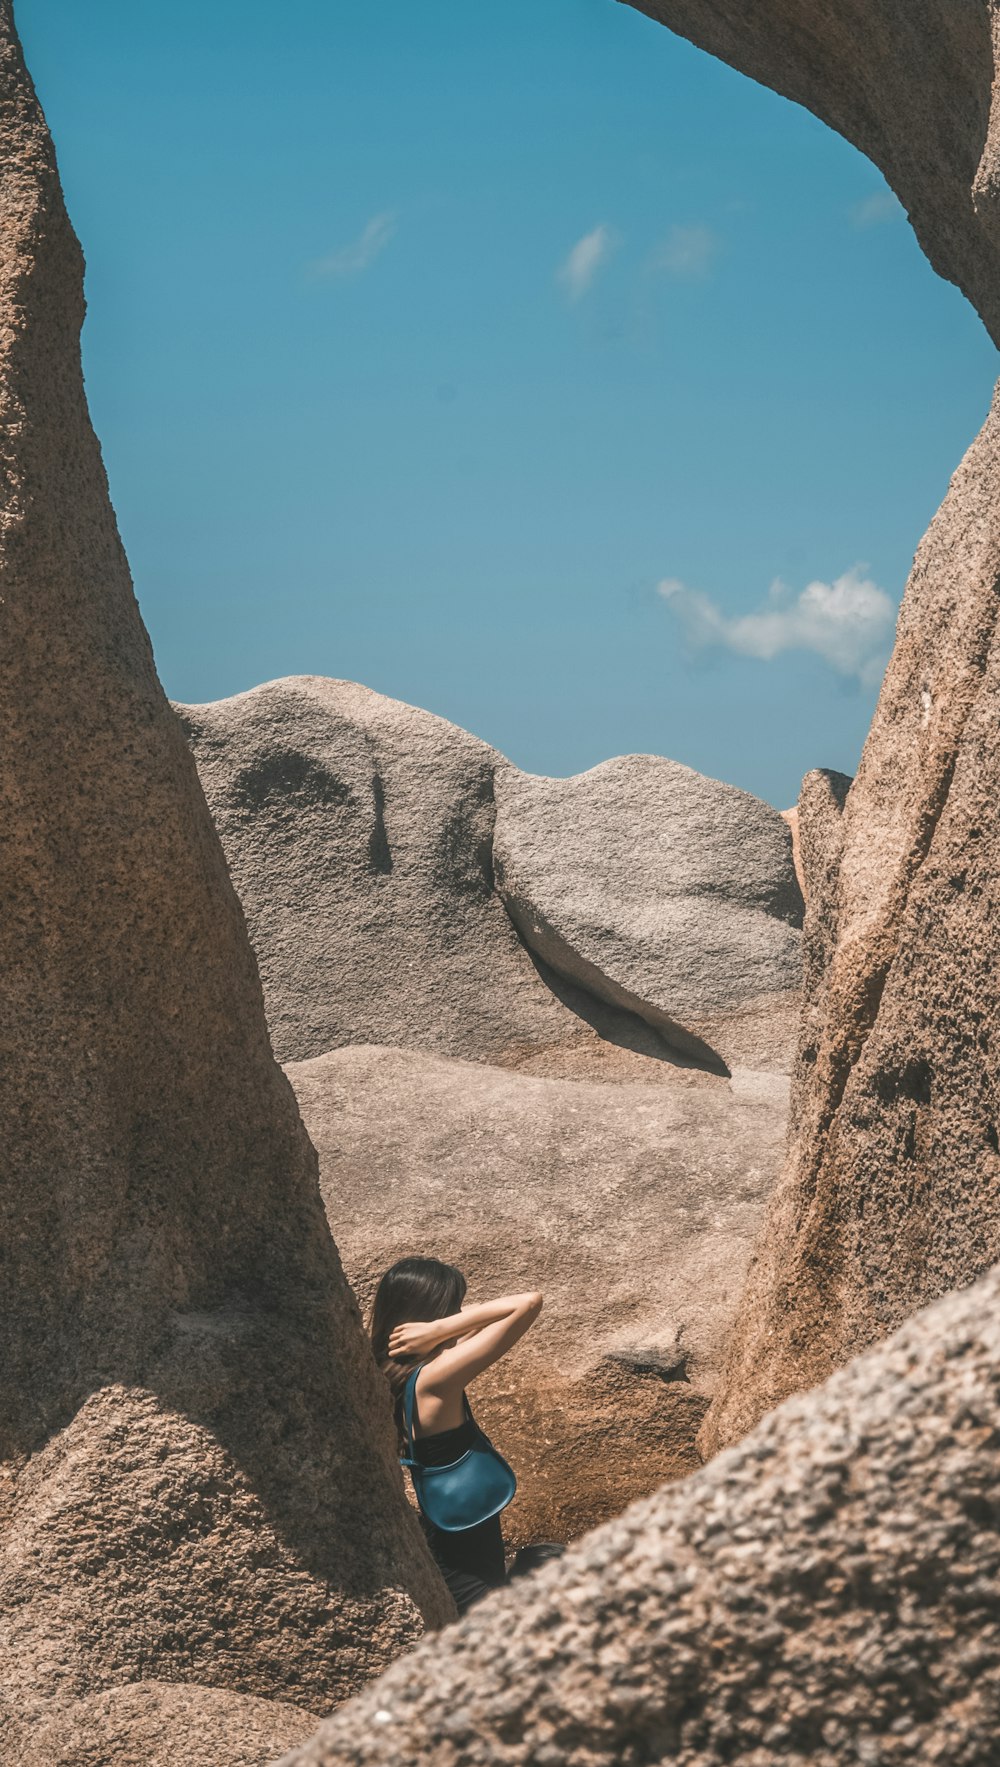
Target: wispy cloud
x: 688, y: 253
x: 578, y: 269
x: 875, y: 210
x: 351, y: 260
x: 848, y: 622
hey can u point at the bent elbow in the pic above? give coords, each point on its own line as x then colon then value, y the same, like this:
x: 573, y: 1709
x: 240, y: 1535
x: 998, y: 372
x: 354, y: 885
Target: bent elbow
x: 534, y: 1302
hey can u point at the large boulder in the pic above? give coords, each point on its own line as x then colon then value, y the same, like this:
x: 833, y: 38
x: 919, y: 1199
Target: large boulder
x: 891, y: 1187
x: 359, y: 836
x: 663, y: 892
x: 633, y: 1207
x: 651, y: 911
x: 197, y: 1472
x: 826, y: 1592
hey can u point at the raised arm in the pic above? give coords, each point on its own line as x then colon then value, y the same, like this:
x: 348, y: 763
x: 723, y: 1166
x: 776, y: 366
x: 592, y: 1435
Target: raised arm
x: 485, y: 1332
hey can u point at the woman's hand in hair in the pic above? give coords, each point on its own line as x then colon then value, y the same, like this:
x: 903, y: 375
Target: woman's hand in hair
x: 407, y: 1343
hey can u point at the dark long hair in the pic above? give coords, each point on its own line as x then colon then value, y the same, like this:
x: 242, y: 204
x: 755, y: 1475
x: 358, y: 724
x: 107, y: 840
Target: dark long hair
x: 415, y: 1288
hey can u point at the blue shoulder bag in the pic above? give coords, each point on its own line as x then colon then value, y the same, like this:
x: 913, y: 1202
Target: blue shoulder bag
x: 465, y: 1492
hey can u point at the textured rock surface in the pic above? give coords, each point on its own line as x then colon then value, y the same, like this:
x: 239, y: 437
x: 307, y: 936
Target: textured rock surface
x: 159, y: 1724
x: 663, y: 892
x: 891, y: 1190
x: 358, y: 833
x: 633, y: 1207
x: 175, y: 1324
x: 909, y: 82
x: 826, y: 1592
x: 361, y: 838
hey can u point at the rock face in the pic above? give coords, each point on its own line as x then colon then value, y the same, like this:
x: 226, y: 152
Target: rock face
x: 184, y: 1383
x: 633, y: 1207
x: 163, y: 1724
x: 663, y: 892
x: 891, y: 1189
x: 358, y: 833
x: 909, y: 82
x: 825, y: 1592
x: 517, y: 999
x: 365, y: 839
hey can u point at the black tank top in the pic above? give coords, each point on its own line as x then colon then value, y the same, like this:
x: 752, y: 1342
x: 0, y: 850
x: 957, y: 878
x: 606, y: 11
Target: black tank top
x: 444, y: 1446
x: 470, y: 1552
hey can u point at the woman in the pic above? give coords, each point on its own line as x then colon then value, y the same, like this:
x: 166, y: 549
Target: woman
x: 420, y: 1326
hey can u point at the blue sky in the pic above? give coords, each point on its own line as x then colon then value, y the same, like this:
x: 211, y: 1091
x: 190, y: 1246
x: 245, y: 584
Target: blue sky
x: 427, y: 344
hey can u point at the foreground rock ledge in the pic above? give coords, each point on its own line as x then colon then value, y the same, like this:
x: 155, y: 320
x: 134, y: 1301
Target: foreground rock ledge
x: 827, y: 1592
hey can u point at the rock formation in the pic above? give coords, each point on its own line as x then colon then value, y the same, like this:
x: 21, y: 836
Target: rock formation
x: 634, y: 1207
x: 891, y: 1188
x: 366, y: 839
x: 166, y: 1724
x: 826, y: 1592
x: 359, y: 833
x: 197, y: 1476
x: 592, y: 1139
x: 662, y: 892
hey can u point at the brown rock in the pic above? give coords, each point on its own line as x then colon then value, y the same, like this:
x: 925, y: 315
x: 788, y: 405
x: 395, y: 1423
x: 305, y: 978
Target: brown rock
x: 657, y: 909
x: 160, y: 1724
x: 633, y: 1207
x: 826, y: 1592
x: 663, y: 892
x: 891, y: 1186
x: 359, y: 835
x: 183, y: 1383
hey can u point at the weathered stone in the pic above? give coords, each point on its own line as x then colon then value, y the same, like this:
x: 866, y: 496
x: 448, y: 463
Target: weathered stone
x: 358, y: 833
x: 633, y: 1207
x: 662, y: 892
x: 826, y: 1592
x: 363, y: 834
x: 891, y: 1186
x: 175, y: 1326
x: 162, y: 1724
x: 361, y: 838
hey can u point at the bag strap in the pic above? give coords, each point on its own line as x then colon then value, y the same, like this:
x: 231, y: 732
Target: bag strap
x: 409, y: 1401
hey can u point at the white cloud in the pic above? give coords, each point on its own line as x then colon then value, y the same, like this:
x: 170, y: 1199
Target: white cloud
x: 848, y: 622
x: 351, y: 260
x: 578, y: 270
x: 687, y: 253
x: 881, y: 206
